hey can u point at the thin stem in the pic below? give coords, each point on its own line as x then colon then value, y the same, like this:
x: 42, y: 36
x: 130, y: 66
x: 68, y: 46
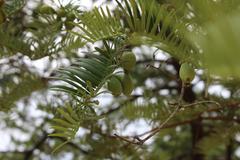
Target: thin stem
x: 162, y: 125
x: 202, y: 102
x: 156, y: 130
x: 59, y: 146
x: 170, y: 116
x: 125, y: 139
x: 181, y: 94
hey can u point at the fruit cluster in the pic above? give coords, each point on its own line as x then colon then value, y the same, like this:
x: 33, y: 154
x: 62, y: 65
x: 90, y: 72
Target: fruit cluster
x: 61, y: 13
x: 117, y: 84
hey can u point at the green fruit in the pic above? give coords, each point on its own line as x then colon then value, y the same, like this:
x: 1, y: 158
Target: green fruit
x: 114, y: 86
x: 2, y: 17
x: 119, y: 77
x: 69, y: 25
x: 186, y: 73
x: 127, y: 84
x: 128, y: 61
x: 61, y: 12
x: 71, y: 16
x: 45, y: 9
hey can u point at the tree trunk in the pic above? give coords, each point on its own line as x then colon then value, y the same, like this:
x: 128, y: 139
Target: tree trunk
x: 197, y: 135
x: 229, y: 151
x: 196, y: 126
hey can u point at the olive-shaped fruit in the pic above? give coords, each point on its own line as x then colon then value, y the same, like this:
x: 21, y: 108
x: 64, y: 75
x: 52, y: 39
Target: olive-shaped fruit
x: 71, y: 16
x: 119, y: 77
x: 61, y: 12
x: 127, y: 85
x: 114, y: 86
x: 186, y: 73
x: 2, y: 17
x: 45, y: 9
x: 128, y: 61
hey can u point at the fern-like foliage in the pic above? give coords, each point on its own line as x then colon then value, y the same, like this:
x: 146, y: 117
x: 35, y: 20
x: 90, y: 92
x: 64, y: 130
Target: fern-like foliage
x: 217, y: 140
x: 83, y: 81
x: 11, y: 44
x: 155, y: 24
x: 148, y: 111
x: 68, y: 120
x: 67, y: 124
x: 161, y: 110
x: 43, y: 35
x: 99, y: 25
x: 12, y: 6
x: 38, y: 41
x: 85, y: 77
x: 12, y: 92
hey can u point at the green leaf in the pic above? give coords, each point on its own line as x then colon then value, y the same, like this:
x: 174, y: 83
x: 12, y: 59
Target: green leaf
x: 93, y: 25
x: 220, y: 46
x: 92, y: 70
x: 13, y: 6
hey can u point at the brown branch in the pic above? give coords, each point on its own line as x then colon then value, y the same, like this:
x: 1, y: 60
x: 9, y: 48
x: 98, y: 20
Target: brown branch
x: 156, y: 130
x: 203, y: 102
x: 127, y: 140
x: 222, y: 118
x: 137, y: 137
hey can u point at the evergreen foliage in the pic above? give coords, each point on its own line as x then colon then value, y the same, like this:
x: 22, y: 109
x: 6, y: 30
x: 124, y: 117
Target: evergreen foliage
x: 182, y: 118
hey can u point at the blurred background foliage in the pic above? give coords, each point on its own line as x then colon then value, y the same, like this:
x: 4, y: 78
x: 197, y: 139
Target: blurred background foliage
x: 36, y: 50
